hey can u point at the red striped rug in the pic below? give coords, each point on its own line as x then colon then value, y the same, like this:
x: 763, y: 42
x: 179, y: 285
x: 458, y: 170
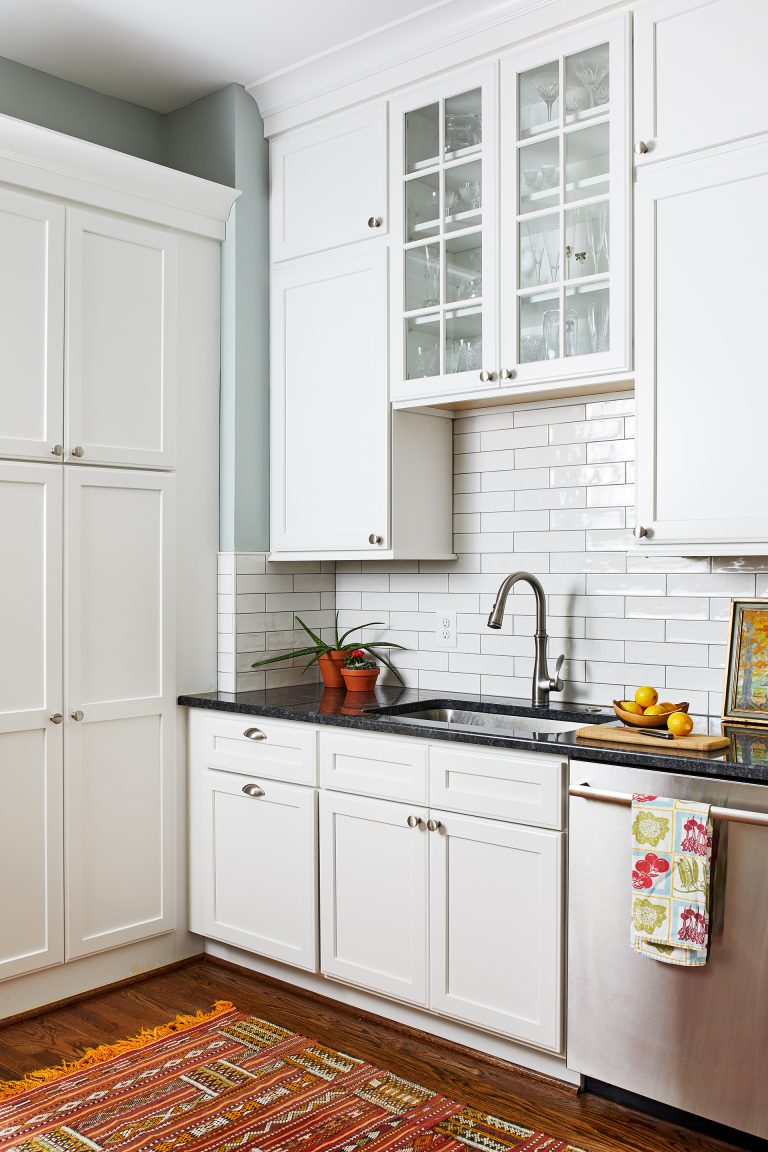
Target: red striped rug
x: 226, y: 1081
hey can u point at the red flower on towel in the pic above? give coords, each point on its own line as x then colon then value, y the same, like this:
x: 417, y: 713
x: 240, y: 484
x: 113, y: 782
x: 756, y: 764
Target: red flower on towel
x: 694, y: 927
x: 696, y: 839
x: 640, y: 799
x: 646, y: 870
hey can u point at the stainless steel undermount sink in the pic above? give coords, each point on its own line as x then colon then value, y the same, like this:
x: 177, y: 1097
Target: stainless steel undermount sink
x: 508, y: 722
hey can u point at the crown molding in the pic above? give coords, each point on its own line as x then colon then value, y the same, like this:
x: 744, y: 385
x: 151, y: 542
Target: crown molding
x: 52, y: 163
x: 455, y: 34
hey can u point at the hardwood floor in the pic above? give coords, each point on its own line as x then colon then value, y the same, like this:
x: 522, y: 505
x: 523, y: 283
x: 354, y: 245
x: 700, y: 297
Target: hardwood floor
x: 588, y: 1121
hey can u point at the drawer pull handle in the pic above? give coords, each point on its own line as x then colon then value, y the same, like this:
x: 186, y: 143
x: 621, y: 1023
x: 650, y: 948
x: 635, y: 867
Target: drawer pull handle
x: 254, y: 734
x: 434, y: 825
x: 414, y: 821
x: 253, y: 790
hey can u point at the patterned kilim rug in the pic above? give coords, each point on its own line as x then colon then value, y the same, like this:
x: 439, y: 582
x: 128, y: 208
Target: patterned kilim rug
x: 223, y: 1080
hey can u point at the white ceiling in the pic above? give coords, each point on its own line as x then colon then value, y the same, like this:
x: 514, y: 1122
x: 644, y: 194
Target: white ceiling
x: 164, y: 53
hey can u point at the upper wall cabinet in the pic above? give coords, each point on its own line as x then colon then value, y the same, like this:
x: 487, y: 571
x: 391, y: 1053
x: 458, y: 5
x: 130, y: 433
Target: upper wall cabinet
x: 87, y: 346
x: 696, y: 84
x: 329, y: 183
x: 534, y: 168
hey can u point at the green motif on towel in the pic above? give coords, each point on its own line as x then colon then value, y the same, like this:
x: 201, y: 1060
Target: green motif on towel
x: 649, y: 829
x: 691, y: 875
x: 667, y: 949
x: 647, y: 916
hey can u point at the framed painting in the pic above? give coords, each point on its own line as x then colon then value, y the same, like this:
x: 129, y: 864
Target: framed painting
x: 746, y: 683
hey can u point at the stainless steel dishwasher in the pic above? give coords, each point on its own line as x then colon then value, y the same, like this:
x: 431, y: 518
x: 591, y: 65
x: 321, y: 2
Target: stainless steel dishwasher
x: 692, y: 1038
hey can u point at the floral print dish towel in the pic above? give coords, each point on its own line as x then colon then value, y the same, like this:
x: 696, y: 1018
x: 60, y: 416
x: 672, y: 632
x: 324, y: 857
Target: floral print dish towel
x: 671, y: 858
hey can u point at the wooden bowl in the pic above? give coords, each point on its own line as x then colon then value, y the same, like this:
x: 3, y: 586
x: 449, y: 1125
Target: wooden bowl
x: 635, y: 721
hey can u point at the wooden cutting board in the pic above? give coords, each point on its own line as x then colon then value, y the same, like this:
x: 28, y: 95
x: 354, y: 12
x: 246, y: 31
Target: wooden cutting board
x: 618, y: 734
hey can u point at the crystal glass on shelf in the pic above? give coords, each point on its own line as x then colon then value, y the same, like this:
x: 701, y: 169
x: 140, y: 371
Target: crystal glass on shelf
x: 573, y: 103
x: 551, y: 326
x: 596, y: 229
x: 549, y: 90
x: 552, y: 246
x: 431, y: 277
x: 425, y: 361
x: 532, y: 348
x: 536, y: 245
x: 591, y: 76
x: 461, y: 131
x: 598, y: 322
x: 470, y: 194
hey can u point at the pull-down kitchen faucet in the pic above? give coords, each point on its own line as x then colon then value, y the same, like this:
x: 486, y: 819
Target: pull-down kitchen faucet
x: 543, y: 683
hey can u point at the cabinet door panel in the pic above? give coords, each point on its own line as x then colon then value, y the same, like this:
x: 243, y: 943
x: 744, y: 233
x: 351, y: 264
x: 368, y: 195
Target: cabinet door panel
x: 329, y: 394
x: 328, y: 181
x: 254, y: 867
x: 119, y: 778
x: 496, y: 927
x: 690, y: 92
x: 373, y: 895
x: 31, y: 325
x: 121, y: 342
x: 699, y: 384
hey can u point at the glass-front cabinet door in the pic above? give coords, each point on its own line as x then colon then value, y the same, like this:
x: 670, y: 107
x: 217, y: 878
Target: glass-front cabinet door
x: 444, y: 237
x: 564, y: 203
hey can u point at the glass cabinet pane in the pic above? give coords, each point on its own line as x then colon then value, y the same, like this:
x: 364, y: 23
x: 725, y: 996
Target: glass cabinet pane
x: 463, y: 340
x: 591, y: 311
x: 539, y: 251
x: 539, y: 179
x: 463, y: 124
x: 587, y: 162
x: 463, y: 196
x: 587, y: 81
x: 464, y: 267
x: 532, y: 310
x: 422, y: 277
x: 422, y: 137
x: 422, y: 346
x: 538, y: 100
x: 587, y: 240
x: 422, y: 207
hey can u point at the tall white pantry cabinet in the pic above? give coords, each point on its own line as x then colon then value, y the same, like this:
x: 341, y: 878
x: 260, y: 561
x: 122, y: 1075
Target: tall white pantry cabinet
x: 109, y: 373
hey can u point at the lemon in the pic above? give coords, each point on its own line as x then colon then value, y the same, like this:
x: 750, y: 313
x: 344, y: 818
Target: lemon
x: 680, y: 723
x: 646, y: 696
x: 630, y: 706
x: 667, y: 707
x: 654, y: 710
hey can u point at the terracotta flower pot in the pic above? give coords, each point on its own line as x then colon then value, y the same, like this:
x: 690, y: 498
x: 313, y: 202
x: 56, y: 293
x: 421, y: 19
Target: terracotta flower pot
x: 330, y: 668
x: 360, y: 679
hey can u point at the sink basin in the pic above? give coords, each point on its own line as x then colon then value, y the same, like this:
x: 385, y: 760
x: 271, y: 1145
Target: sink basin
x: 507, y: 723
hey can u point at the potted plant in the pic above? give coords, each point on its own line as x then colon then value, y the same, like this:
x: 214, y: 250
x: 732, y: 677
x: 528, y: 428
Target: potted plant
x: 359, y: 672
x: 330, y: 657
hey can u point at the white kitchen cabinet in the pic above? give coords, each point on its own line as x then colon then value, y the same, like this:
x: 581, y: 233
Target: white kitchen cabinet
x: 31, y: 845
x: 31, y: 325
x: 374, y: 894
x: 119, y: 714
x: 700, y: 440
x: 329, y: 183
x: 699, y: 75
x: 343, y: 476
x: 496, y: 937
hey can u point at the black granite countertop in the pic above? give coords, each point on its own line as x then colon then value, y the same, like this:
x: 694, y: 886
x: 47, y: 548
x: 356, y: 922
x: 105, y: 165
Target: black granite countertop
x: 745, y: 759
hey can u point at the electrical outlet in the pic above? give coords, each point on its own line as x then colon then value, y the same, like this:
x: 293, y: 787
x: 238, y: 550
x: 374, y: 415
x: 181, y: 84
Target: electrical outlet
x: 445, y: 629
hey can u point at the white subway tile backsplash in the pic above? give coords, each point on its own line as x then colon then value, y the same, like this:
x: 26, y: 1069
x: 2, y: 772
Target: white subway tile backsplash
x: 711, y: 584
x: 582, y: 431
x: 503, y: 438
x: 574, y: 518
x: 587, y: 475
x: 558, y: 456
x: 612, y: 494
x: 514, y: 521
x: 689, y: 655
x: 608, y: 451
x: 549, y: 498
x: 550, y: 541
x: 525, y: 414
x: 510, y: 481
x: 621, y: 406
x: 626, y: 629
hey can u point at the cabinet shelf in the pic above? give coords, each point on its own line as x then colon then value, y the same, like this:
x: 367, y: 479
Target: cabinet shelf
x: 541, y: 293
x: 433, y: 162
x: 472, y: 216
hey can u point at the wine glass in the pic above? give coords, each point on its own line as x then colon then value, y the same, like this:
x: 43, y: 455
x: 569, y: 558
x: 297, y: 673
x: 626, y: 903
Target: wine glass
x: 470, y: 193
x: 596, y: 235
x: 590, y: 75
x: 549, y: 90
x: 431, y: 277
x: 475, y: 285
x: 552, y: 244
x: 598, y: 319
x: 536, y: 244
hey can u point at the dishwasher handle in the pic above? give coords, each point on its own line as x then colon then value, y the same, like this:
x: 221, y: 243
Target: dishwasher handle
x: 733, y: 815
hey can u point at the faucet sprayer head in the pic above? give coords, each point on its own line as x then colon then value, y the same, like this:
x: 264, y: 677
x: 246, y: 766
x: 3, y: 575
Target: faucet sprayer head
x: 495, y: 618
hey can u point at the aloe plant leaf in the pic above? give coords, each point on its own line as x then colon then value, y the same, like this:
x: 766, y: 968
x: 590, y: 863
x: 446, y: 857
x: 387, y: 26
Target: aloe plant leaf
x: 384, y: 660
x: 357, y: 628
x: 285, y: 656
x: 317, y: 639
x: 384, y: 644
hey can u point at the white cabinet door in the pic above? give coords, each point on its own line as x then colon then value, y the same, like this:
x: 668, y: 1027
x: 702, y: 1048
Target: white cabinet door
x: 329, y: 183
x: 119, y: 584
x: 31, y: 325
x: 699, y: 74
x: 121, y: 342
x: 700, y: 391
x: 329, y: 406
x: 496, y: 933
x: 31, y: 896
x: 373, y: 895
x: 254, y: 865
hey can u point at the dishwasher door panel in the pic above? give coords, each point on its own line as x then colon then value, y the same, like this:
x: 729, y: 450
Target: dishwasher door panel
x: 693, y: 1038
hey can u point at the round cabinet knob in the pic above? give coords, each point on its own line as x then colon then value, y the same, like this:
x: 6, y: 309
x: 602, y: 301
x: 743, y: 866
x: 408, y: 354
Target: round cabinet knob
x: 507, y: 374
x: 253, y: 790
x: 78, y: 451
x: 433, y: 825
x: 640, y: 532
x: 375, y: 221
x: 57, y: 450
x: 254, y: 734
x: 641, y: 148
x: 78, y: 715
x: 374, y: 539
x: 56, y: 718
x: 485, y: 376
x: 414, y: 821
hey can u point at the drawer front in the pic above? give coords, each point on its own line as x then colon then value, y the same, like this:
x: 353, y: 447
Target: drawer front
x: 526, y: 788
x: 389, y: 767
x: 251, y: 745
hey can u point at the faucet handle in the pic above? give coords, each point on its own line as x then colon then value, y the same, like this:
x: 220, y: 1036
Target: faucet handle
x: 556, y: 684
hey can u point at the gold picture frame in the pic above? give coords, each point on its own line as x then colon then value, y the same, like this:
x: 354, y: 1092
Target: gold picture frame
x: 746, y: 681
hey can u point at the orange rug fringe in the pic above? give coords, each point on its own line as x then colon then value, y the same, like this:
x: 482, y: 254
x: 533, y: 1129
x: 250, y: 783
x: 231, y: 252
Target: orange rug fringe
x: 91, y: 1056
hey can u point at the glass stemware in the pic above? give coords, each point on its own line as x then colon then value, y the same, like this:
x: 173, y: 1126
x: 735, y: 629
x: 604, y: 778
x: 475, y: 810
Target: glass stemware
x: 552, y: 244
x: 596, y: 235
x: 548, y: 89
x: 591, y: 75
x: 431, y: 278
x: 470, y: 193
x: 598, y: 316
x: 536, y: 244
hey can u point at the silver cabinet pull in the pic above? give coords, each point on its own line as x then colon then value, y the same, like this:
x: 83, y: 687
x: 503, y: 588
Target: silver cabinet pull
x: 56, y: 718
x: 254, y: 734
x: 507, y: 374
x: 375, y: 221
x: 253, y: 790
x: 434, y: 825
x: 414, y: 821
x: 57, y: 450
x: 639, y: 532
x: 641, y: 148
x: 78, y: 715
x: 374, y: 539
x: 485, y: 375
x: 78, y: 451
x: 732, y: 815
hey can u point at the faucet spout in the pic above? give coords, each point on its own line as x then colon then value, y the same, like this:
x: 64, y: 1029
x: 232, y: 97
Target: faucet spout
x: 543, y: 684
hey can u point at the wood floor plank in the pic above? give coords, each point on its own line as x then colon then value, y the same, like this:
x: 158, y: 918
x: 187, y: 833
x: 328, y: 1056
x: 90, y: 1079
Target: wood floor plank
x: 597, y: 1125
